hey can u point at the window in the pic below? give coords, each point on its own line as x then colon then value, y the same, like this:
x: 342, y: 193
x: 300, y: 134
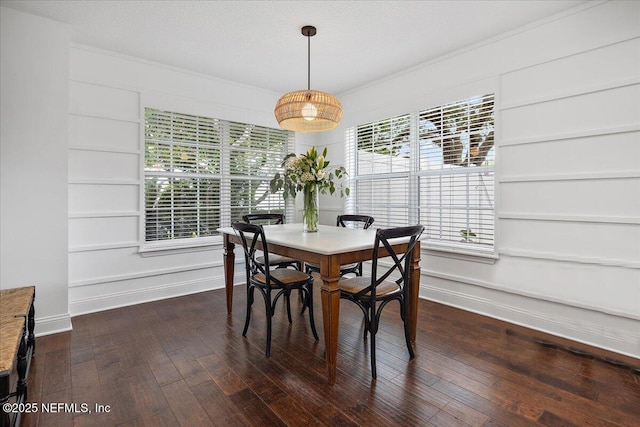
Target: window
x: 203, y: 173
x: 434, y: 167
x: 383, y: 171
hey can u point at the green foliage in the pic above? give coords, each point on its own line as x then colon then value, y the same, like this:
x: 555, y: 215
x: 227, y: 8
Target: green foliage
x: 305, y: 170
x: 467, y: 235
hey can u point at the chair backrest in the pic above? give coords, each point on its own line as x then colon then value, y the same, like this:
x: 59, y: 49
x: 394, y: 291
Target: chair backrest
x: 264, y: 219
x: 354, y: 221
x: 252, y: 236
x: 401, y: 260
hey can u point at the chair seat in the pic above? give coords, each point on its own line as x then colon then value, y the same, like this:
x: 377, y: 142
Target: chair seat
x: 275, y: 259
x: 285, y: 275
x: 356, y: 284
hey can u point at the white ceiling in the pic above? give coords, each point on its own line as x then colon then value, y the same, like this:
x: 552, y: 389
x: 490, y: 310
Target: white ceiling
x: 259, y: 42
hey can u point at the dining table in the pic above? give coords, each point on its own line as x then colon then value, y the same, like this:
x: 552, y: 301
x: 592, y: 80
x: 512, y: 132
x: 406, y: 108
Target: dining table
x: 329, y: 247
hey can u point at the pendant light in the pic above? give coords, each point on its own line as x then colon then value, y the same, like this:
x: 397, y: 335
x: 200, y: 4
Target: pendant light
x: 308, y: 110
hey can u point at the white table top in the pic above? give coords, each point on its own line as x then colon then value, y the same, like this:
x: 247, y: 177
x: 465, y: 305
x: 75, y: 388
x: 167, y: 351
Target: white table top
x: 328, y: 240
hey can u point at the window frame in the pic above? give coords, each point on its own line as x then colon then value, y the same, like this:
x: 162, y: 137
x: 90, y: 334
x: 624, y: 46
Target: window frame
x: 224, y: 175
x: 464, y: 251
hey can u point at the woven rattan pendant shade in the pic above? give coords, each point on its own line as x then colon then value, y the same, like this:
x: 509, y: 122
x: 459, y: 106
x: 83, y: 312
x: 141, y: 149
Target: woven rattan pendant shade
x: 308, y: 110
x: 293, y: 110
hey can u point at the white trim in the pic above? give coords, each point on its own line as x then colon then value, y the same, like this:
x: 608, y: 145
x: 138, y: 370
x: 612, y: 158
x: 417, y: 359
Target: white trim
x: 534, y: 295
x: 104, y: 149
x: 573, y: 176
x: 53, y: 324
x: 168, y: 247
x: 139, y: 296
x: 79, y: 215
x: 143, y: 274
x: 485, y: 258
x: 86, y: 181
x: 106, y: 116
x: 552, y: 256
x: 573, y: 93
x: 103, y: 247
x: 570, y: 135
x: 570, y: 218
x: 173, y: 250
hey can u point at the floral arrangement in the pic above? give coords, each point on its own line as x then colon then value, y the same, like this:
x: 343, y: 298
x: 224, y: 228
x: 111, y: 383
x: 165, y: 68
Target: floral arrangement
x: 310, y: 174
x: 306, y: 170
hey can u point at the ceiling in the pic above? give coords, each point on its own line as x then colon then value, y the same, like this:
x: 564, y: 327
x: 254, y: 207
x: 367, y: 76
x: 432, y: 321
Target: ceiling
x: 259, y: 42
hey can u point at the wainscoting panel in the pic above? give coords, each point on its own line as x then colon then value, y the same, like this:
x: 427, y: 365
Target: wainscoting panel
x: 103, y: 101
x: 102, y: 133
x: 608, y: 108
x: 612, y: 154
x: 102, y: 230
x: 88, y: 198
x: 602, y: 243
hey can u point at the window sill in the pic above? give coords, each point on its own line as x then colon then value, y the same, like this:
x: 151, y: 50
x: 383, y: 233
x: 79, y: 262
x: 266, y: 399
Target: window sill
x: 462, y: 254
x: 179, y: 247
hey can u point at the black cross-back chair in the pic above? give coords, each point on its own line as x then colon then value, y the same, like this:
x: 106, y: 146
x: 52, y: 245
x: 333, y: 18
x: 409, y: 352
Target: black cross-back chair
x: 353, y: 221
x: 277, y: 261
x: 267, y: 281
x: 368, y: 292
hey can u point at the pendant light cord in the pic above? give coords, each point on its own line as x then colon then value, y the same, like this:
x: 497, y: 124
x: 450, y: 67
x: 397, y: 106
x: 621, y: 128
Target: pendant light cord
x: 308, y: 62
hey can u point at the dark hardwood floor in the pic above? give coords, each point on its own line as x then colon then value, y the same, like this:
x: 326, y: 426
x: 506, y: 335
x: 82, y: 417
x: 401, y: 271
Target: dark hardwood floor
x: 184, y: 362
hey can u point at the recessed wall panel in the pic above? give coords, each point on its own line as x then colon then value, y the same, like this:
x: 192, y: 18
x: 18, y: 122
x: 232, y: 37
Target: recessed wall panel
x: 609, y: 154
x: 102, y: 133
x: 608, y: 109
x: 588, y: 242
x: 102, y: 231
x: 573, y: 74
x: 91, y: 198
x: 580, y: 198
x: 103, y: 101
x: 98, y: 165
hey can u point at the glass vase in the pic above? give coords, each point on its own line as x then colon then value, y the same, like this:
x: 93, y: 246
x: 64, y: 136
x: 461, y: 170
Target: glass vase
x: 311, y: 212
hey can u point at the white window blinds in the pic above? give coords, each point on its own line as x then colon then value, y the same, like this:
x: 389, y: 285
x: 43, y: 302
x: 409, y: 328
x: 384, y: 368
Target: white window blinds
x: 456, y: 172
x: 203, y: 173
x: 434, y: 167
x: 382, y: 171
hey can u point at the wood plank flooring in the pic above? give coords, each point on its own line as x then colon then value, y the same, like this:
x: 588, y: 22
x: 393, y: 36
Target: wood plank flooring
x: 184, y: 362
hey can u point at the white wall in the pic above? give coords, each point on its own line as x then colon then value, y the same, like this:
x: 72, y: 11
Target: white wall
x: 568, y: 172
x: 108, y: 93
x: 34, y: 68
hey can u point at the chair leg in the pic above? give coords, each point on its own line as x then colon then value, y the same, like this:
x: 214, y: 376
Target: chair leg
x: 309, y: 302
x: 287, y: 296
x: 403, y: 308
x: 373, y: 355
x: 374, y: 321
x: 298, y: 267
x: 250, y: 290
x: 267, y: 303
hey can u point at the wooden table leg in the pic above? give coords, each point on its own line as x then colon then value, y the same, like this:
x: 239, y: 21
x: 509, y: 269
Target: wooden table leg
x: 414, y: 293
x: 229, y: 260
x: 330, y: 294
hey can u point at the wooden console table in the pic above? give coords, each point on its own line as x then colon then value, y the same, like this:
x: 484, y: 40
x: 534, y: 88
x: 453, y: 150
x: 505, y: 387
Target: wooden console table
x: 17, y: 346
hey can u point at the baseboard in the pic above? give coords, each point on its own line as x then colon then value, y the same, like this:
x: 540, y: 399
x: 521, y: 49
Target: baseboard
x: 139, y: 296
x: 598, y: 330
x: 52, y: 324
